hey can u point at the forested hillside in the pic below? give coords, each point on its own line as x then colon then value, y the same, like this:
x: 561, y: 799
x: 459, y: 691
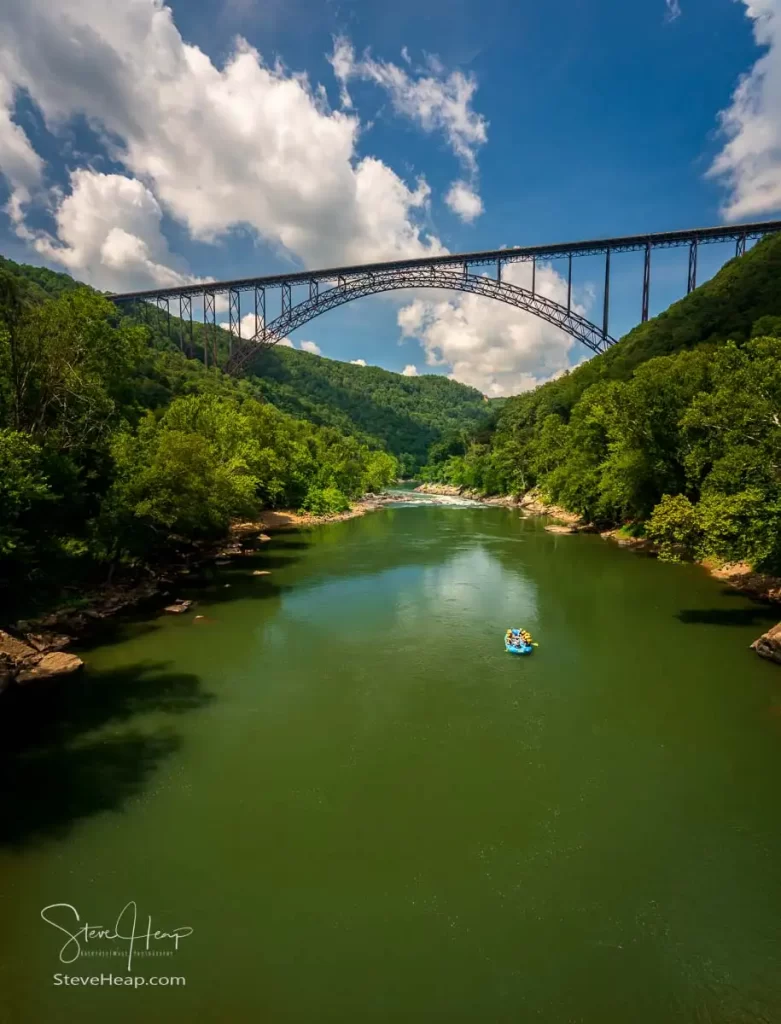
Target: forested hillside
x: 676, y: 429
x: 404, y: 415
x: 408, y: 414
x: 115, y: 452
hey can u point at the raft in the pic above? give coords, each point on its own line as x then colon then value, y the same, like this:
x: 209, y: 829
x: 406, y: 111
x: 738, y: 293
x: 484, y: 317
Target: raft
x: 519, y: 648
x: 523, y: 649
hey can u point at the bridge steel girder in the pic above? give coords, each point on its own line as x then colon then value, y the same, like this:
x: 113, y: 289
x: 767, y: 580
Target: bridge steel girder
x: 739, y: 233
x: 372, y: 284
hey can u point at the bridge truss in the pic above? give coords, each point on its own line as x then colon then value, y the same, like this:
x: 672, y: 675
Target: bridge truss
x: 451, y: 271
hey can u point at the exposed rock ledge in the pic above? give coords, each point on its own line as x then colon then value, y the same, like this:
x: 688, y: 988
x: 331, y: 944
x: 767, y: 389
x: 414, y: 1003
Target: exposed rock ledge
x: 769, y: 644
x: 531, y: 504
x: 39, y: 656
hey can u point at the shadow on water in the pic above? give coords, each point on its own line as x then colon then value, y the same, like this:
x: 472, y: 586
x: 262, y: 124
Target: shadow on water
x: 56, y: 768
x: 756, y: 615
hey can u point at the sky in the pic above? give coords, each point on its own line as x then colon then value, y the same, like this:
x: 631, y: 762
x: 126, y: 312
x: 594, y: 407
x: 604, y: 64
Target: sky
x: 145, y: 144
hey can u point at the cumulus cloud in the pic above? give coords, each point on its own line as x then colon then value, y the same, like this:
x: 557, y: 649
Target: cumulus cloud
x: 242, y: 144
x: 310, y: 346
x: 750, y: 162
x: 247, y: 326
x: 410, y: 370
x: 432, y: 98
x: 494, y: 347
x: 108, y: 234
x: 464, y: 202
x: 358, y: 362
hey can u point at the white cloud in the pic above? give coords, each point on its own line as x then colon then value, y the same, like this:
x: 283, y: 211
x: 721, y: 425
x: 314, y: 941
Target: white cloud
x: 494, y: 347
x: 108, y: 234
x: 247, y: 326
x: 431, y: 98
x: 464, y: 202
x: 750, y: 162
x: 19, y: 162
x: 358, y: 362
x: 342, y: 60
x: 410, y: 370
x: 219, y: 147
x: 310, y: 346
x: 673, y: 10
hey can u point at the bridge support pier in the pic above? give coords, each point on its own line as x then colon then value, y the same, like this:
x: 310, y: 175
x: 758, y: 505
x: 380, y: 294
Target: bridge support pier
x: 646, y: 282
x: 534, y: 276
x: 740, y: 246
x: 569, y: 285
x: 260, y: 313
x: 209, y: 321
x: 234, y: 318
x: 606, y: 309
x: 164, y: 306
x: 185, y: 311
x: 287, y: 297
x: 692, y: 268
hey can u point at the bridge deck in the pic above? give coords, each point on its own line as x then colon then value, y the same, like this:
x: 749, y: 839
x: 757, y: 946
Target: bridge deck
x: 515, y: 254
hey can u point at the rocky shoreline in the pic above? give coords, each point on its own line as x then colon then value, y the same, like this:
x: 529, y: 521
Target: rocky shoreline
x: 33, y: 650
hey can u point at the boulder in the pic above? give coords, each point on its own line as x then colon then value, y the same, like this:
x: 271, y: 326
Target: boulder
x: 178, y: 607
x: 45, y: 642
x: 769, y: 644
x: 16, y: 651
x: 49, y: 666
x: 261, y: 572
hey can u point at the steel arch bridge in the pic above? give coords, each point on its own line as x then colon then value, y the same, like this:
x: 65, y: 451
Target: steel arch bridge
x: 336, y: 286
x: 348, y: 289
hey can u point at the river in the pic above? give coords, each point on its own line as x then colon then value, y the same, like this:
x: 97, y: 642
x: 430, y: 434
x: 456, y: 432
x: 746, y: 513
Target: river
x: 366, y: 810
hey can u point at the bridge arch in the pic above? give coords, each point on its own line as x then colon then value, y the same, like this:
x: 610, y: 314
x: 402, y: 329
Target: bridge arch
x: 350, y: 288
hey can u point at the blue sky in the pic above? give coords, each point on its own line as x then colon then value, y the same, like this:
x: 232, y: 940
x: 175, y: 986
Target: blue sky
x: 143, y: 144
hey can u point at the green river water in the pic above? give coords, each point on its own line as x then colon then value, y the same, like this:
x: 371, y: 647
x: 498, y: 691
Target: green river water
x: 366, y: 810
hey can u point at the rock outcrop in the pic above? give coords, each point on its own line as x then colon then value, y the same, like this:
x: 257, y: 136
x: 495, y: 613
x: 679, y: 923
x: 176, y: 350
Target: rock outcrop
x: 41, y: 658
x: 55, y: 664
x: 769, y: 644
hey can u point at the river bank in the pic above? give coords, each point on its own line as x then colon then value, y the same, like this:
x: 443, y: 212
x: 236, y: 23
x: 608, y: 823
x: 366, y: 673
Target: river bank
x: 33, y: 649
x: 740, y: 576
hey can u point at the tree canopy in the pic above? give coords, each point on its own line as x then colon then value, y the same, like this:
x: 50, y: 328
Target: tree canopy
x: 676, y: 428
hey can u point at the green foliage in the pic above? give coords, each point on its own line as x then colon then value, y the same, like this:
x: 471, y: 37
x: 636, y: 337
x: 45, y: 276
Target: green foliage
x: 116, y: 448
x: 406, y: 415
x: 676, y: 425
x: 324, y: 501
x: 24, y: 489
